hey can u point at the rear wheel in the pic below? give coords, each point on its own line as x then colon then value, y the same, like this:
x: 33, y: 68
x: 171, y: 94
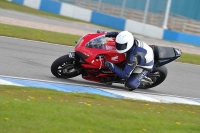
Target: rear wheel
x: 158, y: 75
x: 65, y: 67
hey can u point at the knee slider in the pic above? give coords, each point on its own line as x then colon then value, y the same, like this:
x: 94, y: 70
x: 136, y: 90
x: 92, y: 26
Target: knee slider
x: 132, y: 83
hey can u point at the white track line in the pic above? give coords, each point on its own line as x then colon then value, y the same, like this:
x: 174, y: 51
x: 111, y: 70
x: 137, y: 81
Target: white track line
x: 4, y: 82
x: 126, y: 94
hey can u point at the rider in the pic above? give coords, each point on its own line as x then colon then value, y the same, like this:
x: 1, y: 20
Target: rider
x: 139, y: 57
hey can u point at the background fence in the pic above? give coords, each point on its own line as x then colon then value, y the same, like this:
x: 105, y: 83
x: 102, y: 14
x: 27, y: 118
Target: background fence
x: 147, y: 11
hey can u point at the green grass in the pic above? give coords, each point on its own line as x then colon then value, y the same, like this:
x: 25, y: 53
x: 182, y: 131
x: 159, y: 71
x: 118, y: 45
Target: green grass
x: 190, y: 58
x: 38, y: 35
x: 46, y: 111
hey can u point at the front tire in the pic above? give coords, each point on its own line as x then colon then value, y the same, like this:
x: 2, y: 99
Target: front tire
x: 65, y: 67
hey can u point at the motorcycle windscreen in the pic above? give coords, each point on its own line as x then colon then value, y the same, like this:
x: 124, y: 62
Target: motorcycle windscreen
x: 101, y: 42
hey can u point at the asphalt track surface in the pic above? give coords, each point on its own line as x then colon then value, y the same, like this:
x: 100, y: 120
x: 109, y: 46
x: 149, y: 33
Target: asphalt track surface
x: 32, y: 59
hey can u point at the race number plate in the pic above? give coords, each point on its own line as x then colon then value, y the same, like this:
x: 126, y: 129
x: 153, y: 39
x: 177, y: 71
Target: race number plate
x: 71, y: 54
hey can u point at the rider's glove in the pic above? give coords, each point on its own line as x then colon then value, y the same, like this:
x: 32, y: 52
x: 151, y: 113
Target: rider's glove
x: 112, y: 34
x: 100, y: 31
x: 108, y: 64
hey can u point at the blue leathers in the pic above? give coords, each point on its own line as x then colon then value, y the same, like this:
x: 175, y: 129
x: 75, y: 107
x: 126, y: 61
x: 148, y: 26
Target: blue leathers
x: 139, y: 57
x: 130, y: 65
x: 125, y: 74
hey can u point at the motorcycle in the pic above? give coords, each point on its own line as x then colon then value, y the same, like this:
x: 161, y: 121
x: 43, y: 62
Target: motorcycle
x: 89, y: 54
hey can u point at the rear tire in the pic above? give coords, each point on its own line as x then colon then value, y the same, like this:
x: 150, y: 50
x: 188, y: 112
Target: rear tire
x: 65, y: 67
x: 162, y: 71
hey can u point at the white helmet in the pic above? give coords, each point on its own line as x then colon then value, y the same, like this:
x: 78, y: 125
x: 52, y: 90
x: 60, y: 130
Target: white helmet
x: 124, y: 41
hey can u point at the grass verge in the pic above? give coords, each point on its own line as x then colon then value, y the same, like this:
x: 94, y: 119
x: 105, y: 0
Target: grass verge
x: 190, y: 58
x: 38, y: 35
x: 40, y: 110
x: 66, y: 39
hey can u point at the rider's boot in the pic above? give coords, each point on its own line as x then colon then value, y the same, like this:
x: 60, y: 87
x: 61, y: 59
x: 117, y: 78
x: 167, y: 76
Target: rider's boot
x: 134, y: 80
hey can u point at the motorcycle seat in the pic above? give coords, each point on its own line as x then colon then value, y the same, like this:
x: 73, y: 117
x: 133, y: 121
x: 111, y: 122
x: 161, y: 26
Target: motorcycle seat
x: 162, y: 53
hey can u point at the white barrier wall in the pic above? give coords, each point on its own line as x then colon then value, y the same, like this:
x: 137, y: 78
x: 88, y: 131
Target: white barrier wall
x: 75, y: 12
x: 32, y: 3
x: 133, y: 26
x: 144, y: 29
x: 153, y: 31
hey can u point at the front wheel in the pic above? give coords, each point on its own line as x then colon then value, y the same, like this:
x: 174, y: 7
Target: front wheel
x: 65, y: 67
x: 157, y: 76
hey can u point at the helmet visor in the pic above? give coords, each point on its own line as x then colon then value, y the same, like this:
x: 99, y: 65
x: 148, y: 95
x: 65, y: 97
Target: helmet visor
x: 120, y: 46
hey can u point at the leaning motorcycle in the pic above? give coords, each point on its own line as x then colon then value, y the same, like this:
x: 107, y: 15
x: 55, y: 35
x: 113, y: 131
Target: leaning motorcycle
x: 88, y: 56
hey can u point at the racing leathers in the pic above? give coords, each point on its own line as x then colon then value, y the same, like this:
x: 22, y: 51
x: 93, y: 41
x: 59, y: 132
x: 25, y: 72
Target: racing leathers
x: 139, y: 61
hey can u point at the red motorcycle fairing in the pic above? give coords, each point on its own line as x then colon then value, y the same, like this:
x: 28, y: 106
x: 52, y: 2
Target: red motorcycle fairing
x: 94, y: 50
